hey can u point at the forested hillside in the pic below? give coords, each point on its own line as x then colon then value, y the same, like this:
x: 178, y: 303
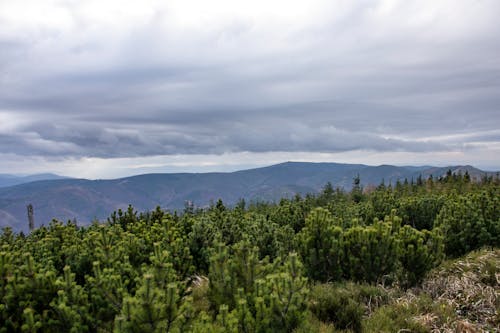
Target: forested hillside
x: 86, y: 200
x: 355, y: 260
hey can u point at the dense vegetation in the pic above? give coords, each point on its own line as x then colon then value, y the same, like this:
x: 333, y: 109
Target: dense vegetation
x: 321, y: 262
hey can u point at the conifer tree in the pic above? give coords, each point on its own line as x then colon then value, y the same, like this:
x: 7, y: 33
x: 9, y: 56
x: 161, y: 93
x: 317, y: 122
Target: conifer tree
x: 288, y: 297
x: 71, y: 304
x: 357, y: 190
x: 320, y: 244
x: 469, y: 222
x: 223, y: 283
x: 419, y: 251
x: 160, y: 303
x: 370, y: 252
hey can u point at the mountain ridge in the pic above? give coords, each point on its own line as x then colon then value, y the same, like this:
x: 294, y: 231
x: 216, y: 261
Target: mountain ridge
x: 87, y: 200
x: 7, y: 180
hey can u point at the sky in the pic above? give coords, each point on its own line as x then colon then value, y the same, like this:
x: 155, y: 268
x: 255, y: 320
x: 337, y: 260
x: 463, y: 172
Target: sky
x: 105, y: 89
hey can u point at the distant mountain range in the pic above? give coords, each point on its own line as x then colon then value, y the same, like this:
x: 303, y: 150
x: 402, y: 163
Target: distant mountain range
x: 11, y: 180
x: 87, y: 200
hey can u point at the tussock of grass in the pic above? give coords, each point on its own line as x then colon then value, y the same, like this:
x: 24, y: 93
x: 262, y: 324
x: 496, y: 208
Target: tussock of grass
x: 459, y: 296
x: 313, y: 325
x: 471, y: 285
x: 199, y: 289
x: 345, y: 304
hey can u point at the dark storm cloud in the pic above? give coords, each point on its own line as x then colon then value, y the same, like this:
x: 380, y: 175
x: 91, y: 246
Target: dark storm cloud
x: 369, y: 78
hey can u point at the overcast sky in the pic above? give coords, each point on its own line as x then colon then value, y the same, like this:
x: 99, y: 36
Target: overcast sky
x: 103, y: 89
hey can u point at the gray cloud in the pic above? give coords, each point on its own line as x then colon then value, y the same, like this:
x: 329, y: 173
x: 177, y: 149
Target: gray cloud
x: 363, y: 76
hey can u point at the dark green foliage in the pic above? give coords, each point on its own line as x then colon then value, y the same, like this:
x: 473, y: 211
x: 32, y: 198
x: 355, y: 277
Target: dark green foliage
x: 222, y: 279
x: 420, y: 212
x: 370, y: 253
x: 201, y: 239
x: 260, y: 296
x: 382, y: 201
x: 470, y: 222
x: 283, y: 305
x: 225, y: 269
x: 291, y: 213
x: 123, y: 218
x: 71, y: 304
x: 156, y: 307
x: 419, y: 252
x: 321, y: 246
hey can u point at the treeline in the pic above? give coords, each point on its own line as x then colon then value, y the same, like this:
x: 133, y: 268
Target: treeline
x: 247, y: 268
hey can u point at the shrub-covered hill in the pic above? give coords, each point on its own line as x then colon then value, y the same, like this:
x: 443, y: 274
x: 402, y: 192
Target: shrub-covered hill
x: 357, y: 260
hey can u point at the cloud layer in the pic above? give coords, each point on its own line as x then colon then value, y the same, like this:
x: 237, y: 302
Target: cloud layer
x: 105, y: 79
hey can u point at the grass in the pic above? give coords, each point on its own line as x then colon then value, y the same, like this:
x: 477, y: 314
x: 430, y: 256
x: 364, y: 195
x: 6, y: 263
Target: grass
x: 461, y: 295
x: 471, y: 285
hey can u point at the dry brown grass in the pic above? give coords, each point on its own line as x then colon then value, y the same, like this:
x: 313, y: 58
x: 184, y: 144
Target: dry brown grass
x: 460, y: 296
x: 471, y: 286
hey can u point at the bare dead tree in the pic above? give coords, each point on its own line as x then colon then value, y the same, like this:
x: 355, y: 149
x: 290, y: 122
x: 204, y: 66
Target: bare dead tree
x: 31, y: 219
